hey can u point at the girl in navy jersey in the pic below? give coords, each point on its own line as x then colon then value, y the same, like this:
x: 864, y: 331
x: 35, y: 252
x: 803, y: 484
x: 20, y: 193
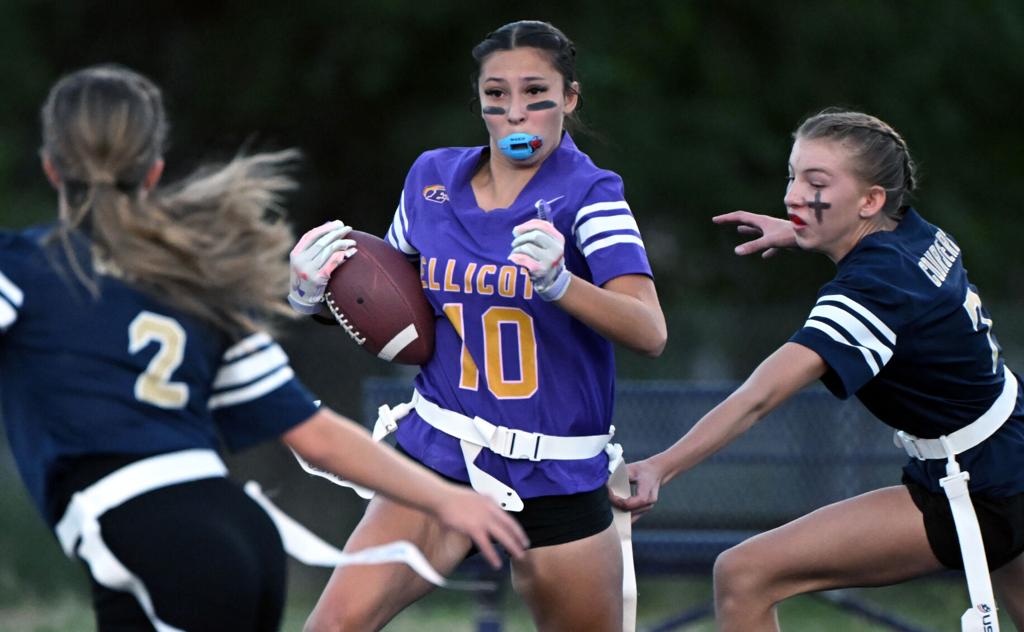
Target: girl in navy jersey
x: 133, y: 344
x: 901, y: 328
x: 535, y: 267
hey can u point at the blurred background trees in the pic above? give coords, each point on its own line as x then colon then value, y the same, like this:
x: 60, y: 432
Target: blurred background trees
x: 692, y: 102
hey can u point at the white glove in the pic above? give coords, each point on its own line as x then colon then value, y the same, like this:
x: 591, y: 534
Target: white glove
x: 540, y: 248
x: 313, y: 259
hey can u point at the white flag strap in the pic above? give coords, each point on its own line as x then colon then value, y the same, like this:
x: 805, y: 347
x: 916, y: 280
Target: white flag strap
x: 310, y: 549
x: 623, y: 522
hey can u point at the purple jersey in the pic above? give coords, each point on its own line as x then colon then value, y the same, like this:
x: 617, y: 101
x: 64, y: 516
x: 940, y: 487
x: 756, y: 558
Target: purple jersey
x: 502, y: 353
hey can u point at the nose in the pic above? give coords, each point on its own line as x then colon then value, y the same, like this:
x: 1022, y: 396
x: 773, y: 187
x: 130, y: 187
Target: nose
x: 516, y: 110
x: 792, y: 198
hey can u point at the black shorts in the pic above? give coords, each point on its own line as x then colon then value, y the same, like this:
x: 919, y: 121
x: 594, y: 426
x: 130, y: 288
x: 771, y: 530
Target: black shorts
x: 551, y: 520
x: 1001, y: 521
x: 208, y: 556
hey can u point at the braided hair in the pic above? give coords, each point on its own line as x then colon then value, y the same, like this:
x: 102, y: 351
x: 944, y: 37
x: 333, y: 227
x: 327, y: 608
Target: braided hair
x: 880, y: 153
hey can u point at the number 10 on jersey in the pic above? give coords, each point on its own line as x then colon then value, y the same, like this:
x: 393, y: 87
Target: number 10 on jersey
x: 498, y: 322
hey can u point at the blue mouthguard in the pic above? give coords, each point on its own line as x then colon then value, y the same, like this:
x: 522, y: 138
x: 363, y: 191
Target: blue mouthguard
x: 519, y: 146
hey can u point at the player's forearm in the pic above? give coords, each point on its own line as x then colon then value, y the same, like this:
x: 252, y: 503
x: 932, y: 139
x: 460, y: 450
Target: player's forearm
x: 775, y: 380
x: 632, y: 319
x: 714, y: 431
x: 338, y: 445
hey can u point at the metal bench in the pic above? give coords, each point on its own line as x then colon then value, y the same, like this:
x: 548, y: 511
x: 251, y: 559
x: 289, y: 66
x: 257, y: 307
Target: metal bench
x: 812, y: 451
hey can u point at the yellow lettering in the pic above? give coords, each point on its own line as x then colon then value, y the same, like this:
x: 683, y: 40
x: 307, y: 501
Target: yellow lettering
x: 482, y: 287
x: 527, y: 284
x: 467, y: 281
x: 448, y: 271
x: 431, y: 282
x: 507, y: 281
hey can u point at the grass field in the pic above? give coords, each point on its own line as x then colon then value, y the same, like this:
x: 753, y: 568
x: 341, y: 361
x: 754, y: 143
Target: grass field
x: 932, y: 605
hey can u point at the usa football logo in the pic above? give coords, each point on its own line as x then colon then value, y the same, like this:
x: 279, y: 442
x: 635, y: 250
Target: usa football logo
x: 435, y: 193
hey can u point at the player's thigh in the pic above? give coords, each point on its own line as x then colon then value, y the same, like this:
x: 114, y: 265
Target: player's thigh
x: 207, y: 556
x: 876, y: 538
x: 1009, y: 583
x: 365, y: 597
x: 575, y: 585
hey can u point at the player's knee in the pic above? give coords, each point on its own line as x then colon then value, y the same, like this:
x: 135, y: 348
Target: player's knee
x: 738, y: 578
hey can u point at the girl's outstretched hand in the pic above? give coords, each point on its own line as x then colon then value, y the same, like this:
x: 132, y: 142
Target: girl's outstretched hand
x: 772, y: 233
x: 480, y: 518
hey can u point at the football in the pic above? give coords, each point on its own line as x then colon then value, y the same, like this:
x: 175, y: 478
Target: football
x: 377, y: 297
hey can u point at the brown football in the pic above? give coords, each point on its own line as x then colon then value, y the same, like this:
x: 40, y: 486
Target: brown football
x: 378, y: 298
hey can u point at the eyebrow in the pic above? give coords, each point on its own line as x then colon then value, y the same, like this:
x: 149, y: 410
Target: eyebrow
x: 502, y: 80
x: 820, y: 170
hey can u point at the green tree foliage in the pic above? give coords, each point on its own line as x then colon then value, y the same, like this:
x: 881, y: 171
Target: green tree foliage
x: 692, y: 102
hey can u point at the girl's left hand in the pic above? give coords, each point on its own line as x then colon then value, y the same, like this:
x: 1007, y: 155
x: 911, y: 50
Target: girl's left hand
x: 540, y: 248
x: 647, y: 480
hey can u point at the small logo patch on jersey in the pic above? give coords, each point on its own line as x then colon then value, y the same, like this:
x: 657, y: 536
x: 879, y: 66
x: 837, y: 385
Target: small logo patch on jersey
x: 435, y: 193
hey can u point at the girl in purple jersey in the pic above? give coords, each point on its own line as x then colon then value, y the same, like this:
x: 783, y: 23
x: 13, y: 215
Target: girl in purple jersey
x: 132, y: 346
x: 902, y: 329
x: 564, y: 268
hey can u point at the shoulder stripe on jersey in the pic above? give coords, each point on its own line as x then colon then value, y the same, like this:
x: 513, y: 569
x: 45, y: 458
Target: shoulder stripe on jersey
x: 838, y: 337
x: 603, y: 224
x: 600, y: 244
x: 594, y: 208
x: 252, y: 391
x: 7, y: 315
x: 399, y: 227
x: 853, y: 328
x: 864, y: 313
x: 247, y: 345
x: 251, y: 367
x: 11, y: 291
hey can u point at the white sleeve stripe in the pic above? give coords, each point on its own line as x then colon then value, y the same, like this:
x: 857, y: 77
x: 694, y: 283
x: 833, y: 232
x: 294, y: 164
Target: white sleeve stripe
x: 405, y: 218
x: 399, y: 232
x: 252, y: 391
x: 245, y: 346
x: 594, y: 208
x: 838, y: 337
x: 611, y: 241
x: 7, y: 315
x: 854, y: 329
x: 11, y: 291
x: 597, y: 225
x: 863, y: 311
x: 250, y: 368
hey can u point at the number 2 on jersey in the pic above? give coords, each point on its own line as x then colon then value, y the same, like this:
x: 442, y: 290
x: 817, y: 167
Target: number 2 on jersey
x: 154, y: 385
x: 973, y: 306
x: 494, y: 366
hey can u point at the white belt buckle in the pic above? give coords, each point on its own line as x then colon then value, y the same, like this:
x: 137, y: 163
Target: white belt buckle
x: 516, y: 444
x: 903, y: 440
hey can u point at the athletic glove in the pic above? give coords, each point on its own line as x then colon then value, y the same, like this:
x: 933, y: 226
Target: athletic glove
x: 313, y: 259
x: 540, y: 248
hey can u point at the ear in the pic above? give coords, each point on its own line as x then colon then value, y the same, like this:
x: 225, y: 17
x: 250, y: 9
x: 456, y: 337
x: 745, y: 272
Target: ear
x: 873, y: 201
x: 51, y: 172
x: 572, y: 98
x: 153, y: 175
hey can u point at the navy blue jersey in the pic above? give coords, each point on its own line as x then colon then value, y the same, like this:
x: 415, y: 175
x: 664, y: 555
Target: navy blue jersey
x: 901, y: 327
x: 501, y: 352
x: 123, y: 374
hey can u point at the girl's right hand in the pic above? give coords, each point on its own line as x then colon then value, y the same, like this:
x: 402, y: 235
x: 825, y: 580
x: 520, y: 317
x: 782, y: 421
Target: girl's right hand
x: 480, y: 518
x: 773, y: 233
x: 646, y: 478
x: 312, y: 261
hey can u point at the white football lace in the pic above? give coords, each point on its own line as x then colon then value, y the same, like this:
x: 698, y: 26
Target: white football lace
x: 343, y: 319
